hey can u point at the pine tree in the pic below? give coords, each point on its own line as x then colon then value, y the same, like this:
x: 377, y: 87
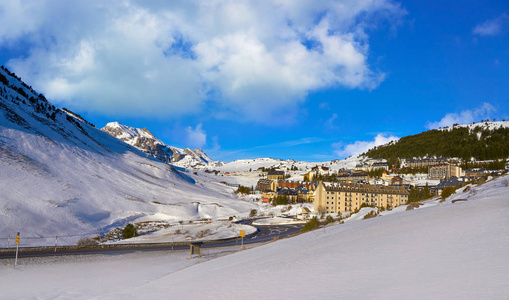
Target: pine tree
x: 129, y: 231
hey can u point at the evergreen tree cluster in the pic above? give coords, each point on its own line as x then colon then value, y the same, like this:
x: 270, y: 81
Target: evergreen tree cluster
x: 3, y: 79
x: 243, y: 190
x: 418, y: 194
x: 311, y: 225
x: 326, y: 178
x: 129, y: 231
x: 479, y: 142
x: 280, y: 200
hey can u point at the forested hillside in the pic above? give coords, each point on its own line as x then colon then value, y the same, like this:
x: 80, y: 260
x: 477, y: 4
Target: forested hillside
x: 478, y: 141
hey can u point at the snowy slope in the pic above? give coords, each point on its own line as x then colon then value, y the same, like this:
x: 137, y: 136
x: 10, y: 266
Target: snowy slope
x: 59, y: 175
x: 483, y: 125
x: 446, y: 251
x: 244, y: 165
x: 439, y: 251
x: 148, y: 143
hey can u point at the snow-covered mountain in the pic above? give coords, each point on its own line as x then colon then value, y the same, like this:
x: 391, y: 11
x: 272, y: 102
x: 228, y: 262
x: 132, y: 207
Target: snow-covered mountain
x: 482, y: 125
x: 61, y: 176
x: 244, y: 165
x: 151, y: 145
x: 197, y: 159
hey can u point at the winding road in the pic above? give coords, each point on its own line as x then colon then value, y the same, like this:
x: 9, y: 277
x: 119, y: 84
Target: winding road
x: 265, y: 233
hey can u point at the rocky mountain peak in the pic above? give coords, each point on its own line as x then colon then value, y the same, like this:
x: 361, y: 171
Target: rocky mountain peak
x: 144, y: 140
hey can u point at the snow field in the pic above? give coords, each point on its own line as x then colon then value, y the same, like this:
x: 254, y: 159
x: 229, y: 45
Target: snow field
x: 94, y: 275
x: 192, y: 232
x: 438, y: 251
x: 447, y: 251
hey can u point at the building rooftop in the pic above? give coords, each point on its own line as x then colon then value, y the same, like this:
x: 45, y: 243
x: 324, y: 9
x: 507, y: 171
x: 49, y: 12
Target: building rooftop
x: 367, y: 188
x: 352, y: 175
x: 450, y: 182
x: 276, y: 173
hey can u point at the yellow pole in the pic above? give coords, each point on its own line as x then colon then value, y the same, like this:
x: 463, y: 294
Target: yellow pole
x: 17, y: 250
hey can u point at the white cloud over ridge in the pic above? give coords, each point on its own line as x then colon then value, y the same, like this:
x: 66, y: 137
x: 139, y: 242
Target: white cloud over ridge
x: 464, y: 117
x: 360, y: 147
x: 255, y: 59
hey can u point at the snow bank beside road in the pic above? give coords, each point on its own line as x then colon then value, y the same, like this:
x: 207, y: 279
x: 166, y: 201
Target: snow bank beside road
x: 194, y: 232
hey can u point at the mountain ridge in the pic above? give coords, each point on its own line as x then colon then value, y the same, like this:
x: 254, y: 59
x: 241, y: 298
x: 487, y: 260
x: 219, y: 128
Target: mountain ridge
x: 144, y: 140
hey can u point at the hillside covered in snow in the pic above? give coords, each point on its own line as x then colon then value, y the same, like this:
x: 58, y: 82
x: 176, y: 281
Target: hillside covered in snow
x: 245, y: 165
x: 59, y: 175
x: 456, y: 249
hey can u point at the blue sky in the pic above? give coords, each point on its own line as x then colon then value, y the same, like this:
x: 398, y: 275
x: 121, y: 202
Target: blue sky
x: 307, y: 80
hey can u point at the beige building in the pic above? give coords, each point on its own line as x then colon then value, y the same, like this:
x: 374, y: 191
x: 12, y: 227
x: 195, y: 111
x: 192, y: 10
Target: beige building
x: 305, y: 195
x: 352, y: 177
x: 266, y: 185
x: 310, y: 176
x: 344, y: 197
x: 371, y: 165
x: 424, y: 162
x: 276, y: 175
x: 315, y: 172
x: 444, y: 171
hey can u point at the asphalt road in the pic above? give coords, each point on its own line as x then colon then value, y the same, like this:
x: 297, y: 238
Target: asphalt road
x: 265, y: 233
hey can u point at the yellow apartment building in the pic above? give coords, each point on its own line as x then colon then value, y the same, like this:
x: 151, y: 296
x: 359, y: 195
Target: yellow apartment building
x: 345, y: 197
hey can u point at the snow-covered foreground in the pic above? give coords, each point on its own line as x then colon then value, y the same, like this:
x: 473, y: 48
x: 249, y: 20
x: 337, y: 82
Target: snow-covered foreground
x: 445, y: 251
x: 88, y: 277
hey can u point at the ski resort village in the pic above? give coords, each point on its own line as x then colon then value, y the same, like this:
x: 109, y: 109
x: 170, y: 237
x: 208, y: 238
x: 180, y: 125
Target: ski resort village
x: 254, y: 150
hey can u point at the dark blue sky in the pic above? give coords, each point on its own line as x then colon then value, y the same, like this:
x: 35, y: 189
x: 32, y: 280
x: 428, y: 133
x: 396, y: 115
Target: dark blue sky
x: 441, y: 62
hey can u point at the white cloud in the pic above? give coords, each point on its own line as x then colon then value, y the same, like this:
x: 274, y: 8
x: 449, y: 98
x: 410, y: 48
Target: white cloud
x: 330, y: 123
x: 491, y: 27
x: 14, y: 22
x: 324, y: 105
x: 254, y: 59
x: 196, y: 138
x: 360, y: 147
x: 464, y: 117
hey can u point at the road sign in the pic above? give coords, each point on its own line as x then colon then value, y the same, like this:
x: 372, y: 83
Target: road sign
x: 17, y: 249
x: 242, y: 235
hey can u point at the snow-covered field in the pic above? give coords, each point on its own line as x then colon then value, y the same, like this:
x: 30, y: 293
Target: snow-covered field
x: 420, y: 179
x: 216, y: 230
x: 277, y: 221
x: 451, y: 250
x: 244, y: 165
